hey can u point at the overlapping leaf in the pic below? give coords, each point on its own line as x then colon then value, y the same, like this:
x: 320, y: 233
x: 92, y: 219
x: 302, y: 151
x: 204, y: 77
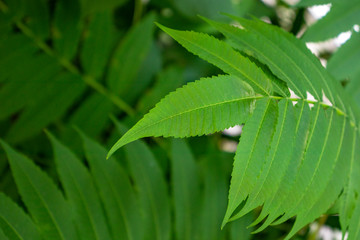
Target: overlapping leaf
x: 342, y: 64
x: 45, y: 202
x: 14, y: 223
x: 342, y: 17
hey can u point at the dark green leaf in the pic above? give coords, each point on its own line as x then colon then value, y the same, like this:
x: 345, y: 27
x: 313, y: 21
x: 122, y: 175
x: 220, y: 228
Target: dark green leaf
x: 121, y: 204
x: 82, y: 194
x: 14, y: 223
x: 42, y: 198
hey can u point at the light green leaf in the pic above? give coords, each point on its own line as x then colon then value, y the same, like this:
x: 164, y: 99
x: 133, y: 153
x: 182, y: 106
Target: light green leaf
x: 349, y: 198
x: 202, y: 107
x: 14, y: 223
x: 116, y: 191
x: 251, y: 153
x: 152, y: 190
x: 44, y: 201
x: 271, y: 174
x: 291, y: 164
x: 81, y: 192
x: 186, y: 190
x: 287, y: 57
x: 354, y: 229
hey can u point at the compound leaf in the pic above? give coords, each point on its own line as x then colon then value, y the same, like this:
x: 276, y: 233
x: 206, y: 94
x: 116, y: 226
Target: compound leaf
x: 202, y: 107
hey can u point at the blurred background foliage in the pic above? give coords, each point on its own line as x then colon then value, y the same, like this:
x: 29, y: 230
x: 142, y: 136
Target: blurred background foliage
x: 73, y: 65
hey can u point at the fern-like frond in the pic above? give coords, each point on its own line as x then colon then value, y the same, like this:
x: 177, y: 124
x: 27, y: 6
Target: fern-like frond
x: 202, y: 107
x: 293, y: 159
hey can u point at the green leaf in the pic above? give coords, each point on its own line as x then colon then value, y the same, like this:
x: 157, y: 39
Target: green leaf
x: 202, y: 107
x: 38, y: 17
x: 216, y: 181
x: 342, y: 17
x: 16, y: 50
x: 152, y: 190
x: 294, y: 160
x: 67, y: 28
x: 240, y: 229
x: 56, y: 98
x: 150, y: 66
x: 94, y: 6
x: 186, y: 190
x: 81, y: 192
x: 161, y: 87
x: 97, y: 44
x: 129, y: 56
x: 315, y: 188
x: 223, y: 56
x: 351, y: 191
x: 287, y: 57
x: 204, y: 7
x: 343, y: 64
x: 116, y: 191
x: 354, y: 229
x: 251, y: 153
x: 93, y: 115
x: 19, y: 93
x: 288, y: 168
x: 2, y: 235
x: 44, y: 201
x: 14, y: 223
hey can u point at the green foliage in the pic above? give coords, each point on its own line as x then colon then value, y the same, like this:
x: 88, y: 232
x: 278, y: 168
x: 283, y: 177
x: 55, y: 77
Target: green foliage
x: 131, y: 211
x: 342, y: 17
x: 292, y: 160
x: 69, y: 67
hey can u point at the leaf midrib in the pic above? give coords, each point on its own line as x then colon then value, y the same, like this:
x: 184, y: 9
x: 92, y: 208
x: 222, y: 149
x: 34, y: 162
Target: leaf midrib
x: 44, y: 202
x: 84, y: 202
x: 196, y: 109
x: 118, y: 201
x: 12, y: 228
